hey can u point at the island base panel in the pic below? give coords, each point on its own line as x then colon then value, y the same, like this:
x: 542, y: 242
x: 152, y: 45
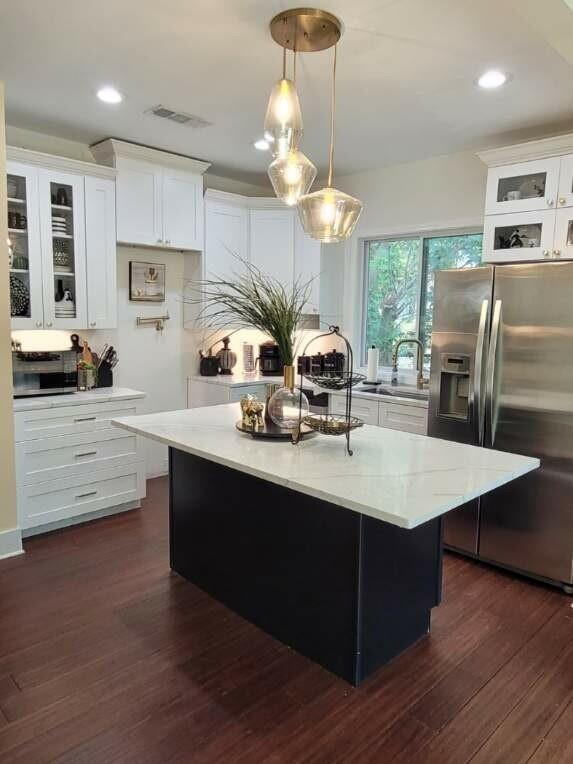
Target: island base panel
x: 346, y: 590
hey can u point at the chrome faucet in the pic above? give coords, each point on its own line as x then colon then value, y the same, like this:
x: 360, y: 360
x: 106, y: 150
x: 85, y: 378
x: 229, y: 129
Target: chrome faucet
x: 420, y: 380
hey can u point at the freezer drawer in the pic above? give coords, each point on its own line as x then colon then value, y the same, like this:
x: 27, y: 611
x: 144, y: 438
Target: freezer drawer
x: 527, y: 525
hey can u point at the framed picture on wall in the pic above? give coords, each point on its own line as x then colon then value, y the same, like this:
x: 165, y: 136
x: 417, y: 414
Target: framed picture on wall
x: 146, y: 282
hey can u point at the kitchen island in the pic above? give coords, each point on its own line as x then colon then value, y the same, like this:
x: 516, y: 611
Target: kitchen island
x: 337, y: 556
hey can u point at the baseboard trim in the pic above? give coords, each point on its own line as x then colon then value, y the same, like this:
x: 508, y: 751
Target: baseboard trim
x: 88, y: 517
x: 10, y: 543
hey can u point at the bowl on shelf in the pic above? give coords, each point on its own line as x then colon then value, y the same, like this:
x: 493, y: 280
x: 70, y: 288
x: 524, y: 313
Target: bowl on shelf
x: 335, y: 380
x: 331, y: 424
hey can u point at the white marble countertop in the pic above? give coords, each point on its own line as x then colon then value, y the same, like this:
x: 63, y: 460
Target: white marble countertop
x: 398, y: 477
x: 237, y: 379
x: 403, y: 400
x: 99, y: 395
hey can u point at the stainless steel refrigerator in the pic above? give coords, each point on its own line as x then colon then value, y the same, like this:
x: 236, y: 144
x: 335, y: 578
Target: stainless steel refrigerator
x: 502, y: 377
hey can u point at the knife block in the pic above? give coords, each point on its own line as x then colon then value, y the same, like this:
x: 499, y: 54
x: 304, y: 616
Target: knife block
x: 104, y: 375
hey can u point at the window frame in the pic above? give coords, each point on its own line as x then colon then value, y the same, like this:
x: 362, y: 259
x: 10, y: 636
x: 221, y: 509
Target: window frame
x: 422, y: 235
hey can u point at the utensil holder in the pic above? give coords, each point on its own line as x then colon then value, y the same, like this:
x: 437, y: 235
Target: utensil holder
x: 104, y: 375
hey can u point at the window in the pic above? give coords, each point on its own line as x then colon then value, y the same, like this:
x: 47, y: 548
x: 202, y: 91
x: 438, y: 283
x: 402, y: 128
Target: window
x: 400, y: 288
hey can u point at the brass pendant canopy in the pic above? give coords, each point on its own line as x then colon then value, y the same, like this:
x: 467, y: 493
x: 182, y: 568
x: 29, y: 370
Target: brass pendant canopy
x: 292, y: 175
x: 306, y: 30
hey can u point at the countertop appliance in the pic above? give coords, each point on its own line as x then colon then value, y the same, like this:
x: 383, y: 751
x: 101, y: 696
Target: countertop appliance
x: 44, y: 372
x: 502, y: 377
x: 270, y: 364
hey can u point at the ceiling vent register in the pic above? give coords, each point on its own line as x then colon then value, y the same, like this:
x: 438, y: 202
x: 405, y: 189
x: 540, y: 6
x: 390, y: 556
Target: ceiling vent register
x: 180, y: 117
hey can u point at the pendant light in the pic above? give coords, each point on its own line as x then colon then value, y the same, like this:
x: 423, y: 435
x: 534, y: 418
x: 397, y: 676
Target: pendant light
x: 291, y: 173
x: 283, y: 120
x: 329, y: 215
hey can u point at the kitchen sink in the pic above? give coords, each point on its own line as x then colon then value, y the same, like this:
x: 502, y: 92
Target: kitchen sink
x: 398, y: 392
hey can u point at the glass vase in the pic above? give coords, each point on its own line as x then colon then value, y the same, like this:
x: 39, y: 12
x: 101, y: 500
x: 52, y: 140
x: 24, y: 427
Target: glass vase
x: 283, y: 406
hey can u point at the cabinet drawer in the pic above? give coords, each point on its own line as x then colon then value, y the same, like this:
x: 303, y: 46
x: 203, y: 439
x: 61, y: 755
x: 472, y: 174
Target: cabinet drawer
x: 361, y: 407
x: 405, y: 418
x: 69, y: 420
x: 56, y: 500
x: 236, y: 393
x: 73, y: 455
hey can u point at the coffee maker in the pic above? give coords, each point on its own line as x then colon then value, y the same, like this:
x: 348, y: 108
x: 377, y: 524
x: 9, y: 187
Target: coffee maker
x: 269, y: 360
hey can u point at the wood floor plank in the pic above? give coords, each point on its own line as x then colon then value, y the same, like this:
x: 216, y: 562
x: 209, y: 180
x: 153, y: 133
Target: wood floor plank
x: 106, y: 656
x: 557, y: 746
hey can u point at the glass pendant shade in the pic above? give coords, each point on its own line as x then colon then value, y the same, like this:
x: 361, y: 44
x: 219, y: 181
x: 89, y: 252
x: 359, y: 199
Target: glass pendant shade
x: 292, y: 175
x: 283, y: 120
x: 329, y: 215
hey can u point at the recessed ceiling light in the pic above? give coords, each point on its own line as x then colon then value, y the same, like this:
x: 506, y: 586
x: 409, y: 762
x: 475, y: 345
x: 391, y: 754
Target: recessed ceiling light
x: 262, y: 144
x: 492, y: 79
x: 107, y: 94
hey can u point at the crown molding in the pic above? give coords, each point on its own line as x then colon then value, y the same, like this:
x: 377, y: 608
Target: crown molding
x: 62, y: 164
x: 524, y: 152
x: 109, y: 151
x: 266, y: 203
x: 226, y: 197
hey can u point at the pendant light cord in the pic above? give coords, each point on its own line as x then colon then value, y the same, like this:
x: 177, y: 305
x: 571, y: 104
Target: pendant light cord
x: 332, y: 110
x: 284, y: 63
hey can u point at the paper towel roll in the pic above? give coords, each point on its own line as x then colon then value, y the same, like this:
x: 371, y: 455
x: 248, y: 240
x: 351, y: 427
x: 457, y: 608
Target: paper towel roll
x: 373, y: 358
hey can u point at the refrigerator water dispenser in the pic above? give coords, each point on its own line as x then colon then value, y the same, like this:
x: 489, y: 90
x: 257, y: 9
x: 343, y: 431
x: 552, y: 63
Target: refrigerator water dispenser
x: 454, y: 386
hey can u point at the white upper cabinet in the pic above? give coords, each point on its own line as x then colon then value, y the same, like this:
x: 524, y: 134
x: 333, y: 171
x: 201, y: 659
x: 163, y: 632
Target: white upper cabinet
x: 24, y: 249
x: 271, y: 243
x: 519, y: 237
x: 528, y: 199
x: 139, y: 219
x: 226, y: 234
x: 522, y: 187
x: 63, y: 245
x: 565, y: 195
x: 159, y: 195
x: 100, y: 253
x: 307, y: 264
x: 182, y: 209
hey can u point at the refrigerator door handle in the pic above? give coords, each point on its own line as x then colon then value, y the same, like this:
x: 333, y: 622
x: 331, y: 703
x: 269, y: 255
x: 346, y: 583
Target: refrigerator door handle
x: 477, y: 396
x: 490, y: 403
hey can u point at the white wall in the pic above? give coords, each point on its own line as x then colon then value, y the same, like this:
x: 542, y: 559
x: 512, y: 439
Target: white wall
x: 445, y: 192
x: 10, y: 540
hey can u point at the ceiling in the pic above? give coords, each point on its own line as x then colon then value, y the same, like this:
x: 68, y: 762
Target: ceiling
x: 406, y: 70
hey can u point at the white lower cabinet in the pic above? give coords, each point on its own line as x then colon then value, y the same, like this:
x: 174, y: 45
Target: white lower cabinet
x: 405, y: 418
x: 362, y: 408
x: 64, y: 499
x: 395, y: 416
x: 71, y: 462
x: 213, y: 394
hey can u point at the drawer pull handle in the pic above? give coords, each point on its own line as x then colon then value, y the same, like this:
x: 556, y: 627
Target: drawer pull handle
x: 85, y: 495
x: 85, y: 453
x: 85, y: 419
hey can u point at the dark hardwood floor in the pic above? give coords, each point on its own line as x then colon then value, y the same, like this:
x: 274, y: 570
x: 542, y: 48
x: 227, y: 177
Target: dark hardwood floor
x: 106, y: 656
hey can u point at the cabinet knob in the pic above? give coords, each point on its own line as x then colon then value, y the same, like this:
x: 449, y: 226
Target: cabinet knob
x: 550, y: 202
x: 556, y: 253
x: 48, y: 324
x: 38, y: 324
x: 92, y: 323
x: 562, y: 200
x: 546, y: 253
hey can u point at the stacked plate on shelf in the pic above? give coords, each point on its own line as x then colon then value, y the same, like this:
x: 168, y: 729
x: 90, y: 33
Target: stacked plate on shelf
x: 59, y: 225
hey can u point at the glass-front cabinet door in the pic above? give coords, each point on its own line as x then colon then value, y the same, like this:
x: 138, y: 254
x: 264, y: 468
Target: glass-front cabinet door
x: 563, y: 241
x: 63, y: 246
x: 520, y: 237
x: 565, y: 195
x: 24, y: 248
x: 522, y: 187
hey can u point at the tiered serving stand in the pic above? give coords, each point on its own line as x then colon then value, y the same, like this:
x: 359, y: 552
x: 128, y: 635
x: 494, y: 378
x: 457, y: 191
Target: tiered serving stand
x: 331, y: 424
